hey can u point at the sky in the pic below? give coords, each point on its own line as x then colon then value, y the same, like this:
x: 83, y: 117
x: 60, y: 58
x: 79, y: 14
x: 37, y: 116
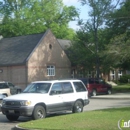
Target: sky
x: 83, y: 11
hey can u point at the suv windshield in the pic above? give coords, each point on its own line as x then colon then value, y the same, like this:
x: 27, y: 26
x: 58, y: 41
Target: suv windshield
x: 37, y: 88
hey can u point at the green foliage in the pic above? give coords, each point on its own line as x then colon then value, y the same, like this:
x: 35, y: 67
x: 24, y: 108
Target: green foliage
x: 125, y: 79
x: 23, y: 17
x: 117, y: 51
x: 91, y: 36
x: 119, y: 20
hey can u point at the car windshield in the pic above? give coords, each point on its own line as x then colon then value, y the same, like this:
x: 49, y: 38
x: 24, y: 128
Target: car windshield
x: 37, y: 88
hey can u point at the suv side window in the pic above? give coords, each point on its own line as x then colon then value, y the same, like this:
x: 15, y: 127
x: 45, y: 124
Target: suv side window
x: 10, y: 85
x: 56, y: 89
x: 79, y: 87
x: 67, y: 87
x: 85, y: 81
x: 3, y: 85
x: 97, y: 81
x: 91, y: 81
x: 101, y: 81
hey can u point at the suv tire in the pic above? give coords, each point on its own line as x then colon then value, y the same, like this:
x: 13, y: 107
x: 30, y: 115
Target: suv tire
x: 5, y: 95
x: 12, y: 117
x: 39, y: 112
x: 18, y: 91
x: 94, y: 92
x: 109, y: 91
x: 78, y: 107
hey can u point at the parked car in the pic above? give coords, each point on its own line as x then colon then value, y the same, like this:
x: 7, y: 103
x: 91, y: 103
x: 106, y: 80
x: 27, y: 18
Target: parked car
x: 7, y: 88
x: 1, y: 98
x: 46, y: 97
x: 97, y: 86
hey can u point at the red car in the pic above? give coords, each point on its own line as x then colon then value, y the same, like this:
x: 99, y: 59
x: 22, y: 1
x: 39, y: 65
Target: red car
x: 97, y: 86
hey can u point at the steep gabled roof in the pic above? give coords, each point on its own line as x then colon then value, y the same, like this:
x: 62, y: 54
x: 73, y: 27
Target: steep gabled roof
x: 64, y: 43
x: 15, y: 50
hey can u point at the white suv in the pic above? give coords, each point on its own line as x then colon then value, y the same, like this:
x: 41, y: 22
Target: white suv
x: 45, y: 97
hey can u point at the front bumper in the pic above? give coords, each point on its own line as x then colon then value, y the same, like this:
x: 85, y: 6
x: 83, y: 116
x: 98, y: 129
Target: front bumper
x: 19, y: 111
x: 86, y: 102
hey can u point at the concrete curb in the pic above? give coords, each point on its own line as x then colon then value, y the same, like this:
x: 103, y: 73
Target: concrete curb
x: 19, y: 128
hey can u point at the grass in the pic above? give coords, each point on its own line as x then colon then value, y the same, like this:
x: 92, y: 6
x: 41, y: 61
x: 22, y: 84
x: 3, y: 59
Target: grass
x: 91, y: 120
x: 121, y: 88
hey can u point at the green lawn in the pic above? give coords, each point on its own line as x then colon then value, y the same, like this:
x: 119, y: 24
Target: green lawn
x: 121, y: 88
x: 91, y: 120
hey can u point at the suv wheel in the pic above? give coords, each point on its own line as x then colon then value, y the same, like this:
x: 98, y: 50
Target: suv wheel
x: 12, y: 117
x: 78, y: 107
x: 18, y: 91
x: 39, y: 112
x: 5, y: 95
x: 94, y: 92
x: 109, y: 91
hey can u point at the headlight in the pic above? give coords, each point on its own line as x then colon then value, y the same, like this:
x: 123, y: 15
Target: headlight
x: 25, y: 103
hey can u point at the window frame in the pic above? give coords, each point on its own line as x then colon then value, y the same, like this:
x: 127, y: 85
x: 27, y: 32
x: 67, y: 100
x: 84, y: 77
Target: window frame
x: 50, y: 70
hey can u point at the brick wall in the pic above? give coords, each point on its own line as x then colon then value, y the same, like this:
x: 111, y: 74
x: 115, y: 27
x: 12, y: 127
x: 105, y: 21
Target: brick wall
x: 14, y: 74
x: 48, y: 52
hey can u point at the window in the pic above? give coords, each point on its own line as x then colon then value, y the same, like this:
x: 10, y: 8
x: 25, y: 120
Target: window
x: 119, y: 73
x: 91, y: 81
x: 3, y: 85
x: 79, y: 87
x: 112, y: 75
x: 10, y: 85
x: 97, y: 81
x: 37, y: 88
x: 67, y: 87
x: 89, y: 74
x: 56, y: 89
x: 50, y: 70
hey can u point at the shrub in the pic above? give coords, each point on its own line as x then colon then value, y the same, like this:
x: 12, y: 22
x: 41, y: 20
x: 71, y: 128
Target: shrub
x: 124, y: 79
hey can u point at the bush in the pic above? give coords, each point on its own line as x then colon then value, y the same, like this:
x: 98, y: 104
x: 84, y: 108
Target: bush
x: 124, y: 79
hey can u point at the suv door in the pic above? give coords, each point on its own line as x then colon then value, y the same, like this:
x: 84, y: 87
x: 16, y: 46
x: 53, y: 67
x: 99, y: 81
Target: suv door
x: 13, y: 90
x: 68, y: 95
x: 101, y: 87
x: 55, y: 98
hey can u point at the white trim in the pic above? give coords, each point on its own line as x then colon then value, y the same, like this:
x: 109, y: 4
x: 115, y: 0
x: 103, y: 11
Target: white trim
x: 50, y: 70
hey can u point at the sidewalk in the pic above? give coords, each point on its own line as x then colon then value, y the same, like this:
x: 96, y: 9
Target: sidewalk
x: 113, y: 96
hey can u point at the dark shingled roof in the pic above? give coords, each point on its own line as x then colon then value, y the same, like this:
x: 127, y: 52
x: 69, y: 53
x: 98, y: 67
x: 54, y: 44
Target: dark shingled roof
x: 64, y: 43
x: 16, y: 50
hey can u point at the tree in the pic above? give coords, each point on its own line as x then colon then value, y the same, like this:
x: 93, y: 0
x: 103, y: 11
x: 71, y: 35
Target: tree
x: 119, y: 21
x: 117, y: 51
x: 99, y: 10
x: 21, y: 17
